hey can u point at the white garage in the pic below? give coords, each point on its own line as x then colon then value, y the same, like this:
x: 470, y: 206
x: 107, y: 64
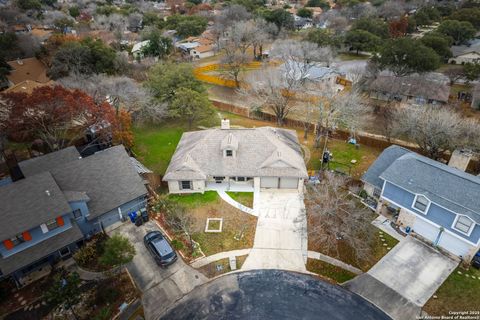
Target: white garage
x: 454, y: 245
x: 278, y: 183
x: 425, y: 229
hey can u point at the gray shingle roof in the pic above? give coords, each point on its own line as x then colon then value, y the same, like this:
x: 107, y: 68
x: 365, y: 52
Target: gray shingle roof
x: 199, y: 154
x: 108, y: 178
x: 48, y: 161
x: 40, y: 250
x: 27, y: 204
x: 386, y: 158
x: 448, y: 187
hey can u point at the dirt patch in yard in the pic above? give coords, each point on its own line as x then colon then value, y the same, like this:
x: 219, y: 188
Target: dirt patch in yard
x: 221, y: 266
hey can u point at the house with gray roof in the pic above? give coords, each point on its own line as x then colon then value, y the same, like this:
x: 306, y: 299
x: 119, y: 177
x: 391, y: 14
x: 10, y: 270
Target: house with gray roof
x: 438, y: 202
x: 62, y: 200
x: 236, y: 159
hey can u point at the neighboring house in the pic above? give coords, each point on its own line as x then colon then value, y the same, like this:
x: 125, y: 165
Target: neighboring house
x: 302, y: 23
x: 255, y: 159
x: 469, y: 53
x: 137, y: 50
x: 27, y: 69
x: 202, y: 51
x: 316, y: 78
x: 62, y: 200
x: 414, y: 89
x: 438, y: 202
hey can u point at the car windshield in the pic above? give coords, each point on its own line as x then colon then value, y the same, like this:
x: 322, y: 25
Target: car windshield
x: 168, y: 256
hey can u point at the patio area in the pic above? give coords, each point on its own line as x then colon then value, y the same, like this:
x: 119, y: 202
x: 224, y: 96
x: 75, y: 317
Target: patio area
x: 230, y: 186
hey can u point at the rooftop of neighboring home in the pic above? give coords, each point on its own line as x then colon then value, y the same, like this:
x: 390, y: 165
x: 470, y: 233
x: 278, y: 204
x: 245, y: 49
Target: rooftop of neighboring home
x: 107, y: 178
x: 430, y: 86
x: 447, y: 186
x: 27, y: 69
x: 264, y: 151
x: 315, y: 73
x: 28, y: 86
x: 471, y: 46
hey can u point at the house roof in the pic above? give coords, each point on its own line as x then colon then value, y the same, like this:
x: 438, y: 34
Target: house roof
x: 28, y: 86
x: 204, y: 48
x: 264, y: 151
x: 30, y: 202
x: 107, y: 177
x: 140, y: 45
x: 40, y: 250
x: 471, y: 46
x: 27, y: 69
x: 386, y: 158
x: 446, y: 186
x: 315, y: 73
x: 412, y: 86
x: 48, y: 161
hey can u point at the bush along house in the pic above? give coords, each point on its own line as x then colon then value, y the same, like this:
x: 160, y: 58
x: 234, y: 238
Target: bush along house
x: 438, y: 202
x: 63, y: 200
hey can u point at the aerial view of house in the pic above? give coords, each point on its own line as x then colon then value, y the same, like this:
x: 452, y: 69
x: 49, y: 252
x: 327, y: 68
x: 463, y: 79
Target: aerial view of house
x: 228, y: 159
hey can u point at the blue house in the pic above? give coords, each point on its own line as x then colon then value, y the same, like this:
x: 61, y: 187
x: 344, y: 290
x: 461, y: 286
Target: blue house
x: 441, y: 204
x: 63, y: 200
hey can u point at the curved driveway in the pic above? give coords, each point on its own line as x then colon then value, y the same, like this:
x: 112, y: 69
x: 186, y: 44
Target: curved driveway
x: 272, y: 295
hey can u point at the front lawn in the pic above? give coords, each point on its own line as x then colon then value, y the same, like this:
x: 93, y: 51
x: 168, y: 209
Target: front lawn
x: 193, y: 200
x: 457, y: 293
x: 334, y: 273
x: 245, y: 198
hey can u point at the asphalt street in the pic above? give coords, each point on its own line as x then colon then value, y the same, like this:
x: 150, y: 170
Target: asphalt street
x: 272, y: 295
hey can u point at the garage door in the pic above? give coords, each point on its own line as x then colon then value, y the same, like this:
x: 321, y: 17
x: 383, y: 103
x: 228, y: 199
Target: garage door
x: 425, y: 229
x: 454, y: 245
x: 288, y: 183
x: 269, y: 182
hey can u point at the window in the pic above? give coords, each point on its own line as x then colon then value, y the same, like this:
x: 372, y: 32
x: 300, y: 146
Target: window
x: 185, y: 185
x: 64, y: 252
x: 463, y: 224
x: 77, y: 213
x: 377, y: 192
x: 421, y: 203
x: 52, y: 224
x: 229, y: 153
x: 240, y: 178
x: 17, y: 239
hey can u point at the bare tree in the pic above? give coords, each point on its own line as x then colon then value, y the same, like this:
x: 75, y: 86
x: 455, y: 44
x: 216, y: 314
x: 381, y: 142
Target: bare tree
x: 436, y: 129
x: 392, y: 9
x: 5, y: 108
x: 337, y: 219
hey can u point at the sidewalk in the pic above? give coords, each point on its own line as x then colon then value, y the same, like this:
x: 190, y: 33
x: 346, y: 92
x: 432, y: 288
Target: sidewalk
x: 383, y: 224
x: 236, y: 204
x: 222, y: 255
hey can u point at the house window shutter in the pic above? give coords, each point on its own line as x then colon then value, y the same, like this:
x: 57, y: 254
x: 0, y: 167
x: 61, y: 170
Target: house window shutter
x: 27, y: 236
x: 60, y: 221
x: 8, y: 244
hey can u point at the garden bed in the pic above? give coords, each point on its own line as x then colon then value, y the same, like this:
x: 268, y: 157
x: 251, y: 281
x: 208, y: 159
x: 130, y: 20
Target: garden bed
x: 324, y: 269
x: 221, y: 266
x: 88, y: 256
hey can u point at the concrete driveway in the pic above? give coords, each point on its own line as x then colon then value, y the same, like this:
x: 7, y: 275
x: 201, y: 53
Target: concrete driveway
x: 160, y: 287
x: 403, y: 281
x: 281, y: 234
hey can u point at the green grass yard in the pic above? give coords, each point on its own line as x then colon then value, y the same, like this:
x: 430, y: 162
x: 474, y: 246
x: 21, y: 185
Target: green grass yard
x: 245, y: 198
x: 193, y: 200
x: 334, y: 273
x: 457, y: 293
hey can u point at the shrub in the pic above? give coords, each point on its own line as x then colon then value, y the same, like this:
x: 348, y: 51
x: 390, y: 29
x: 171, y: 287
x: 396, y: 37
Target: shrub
x: 85, y: 255
x: 177, y: 245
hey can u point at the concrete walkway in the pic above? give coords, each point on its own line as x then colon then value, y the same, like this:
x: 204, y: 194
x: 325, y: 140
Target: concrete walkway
x: 335, y: 262
x: 383, y: 224
x: 281, y: 234
x: 221, y: 255
x: 236, y: 204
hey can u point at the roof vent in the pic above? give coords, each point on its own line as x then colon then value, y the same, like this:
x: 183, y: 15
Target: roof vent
x: 47, y: 192
x: 225, y: 124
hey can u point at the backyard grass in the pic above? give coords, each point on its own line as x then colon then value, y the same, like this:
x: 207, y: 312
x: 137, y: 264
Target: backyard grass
x: 211, y: 270
x: 334, y: 273
x: 457, y: 293
x: 245, y: 198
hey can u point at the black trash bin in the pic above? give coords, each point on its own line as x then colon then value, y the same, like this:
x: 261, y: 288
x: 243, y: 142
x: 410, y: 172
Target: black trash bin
x: 144, y: 215
x: 138, y: 221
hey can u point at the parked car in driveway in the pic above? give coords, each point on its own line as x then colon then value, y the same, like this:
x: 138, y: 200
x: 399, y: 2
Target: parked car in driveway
x: 476, y: 260
x: 160, y: 248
